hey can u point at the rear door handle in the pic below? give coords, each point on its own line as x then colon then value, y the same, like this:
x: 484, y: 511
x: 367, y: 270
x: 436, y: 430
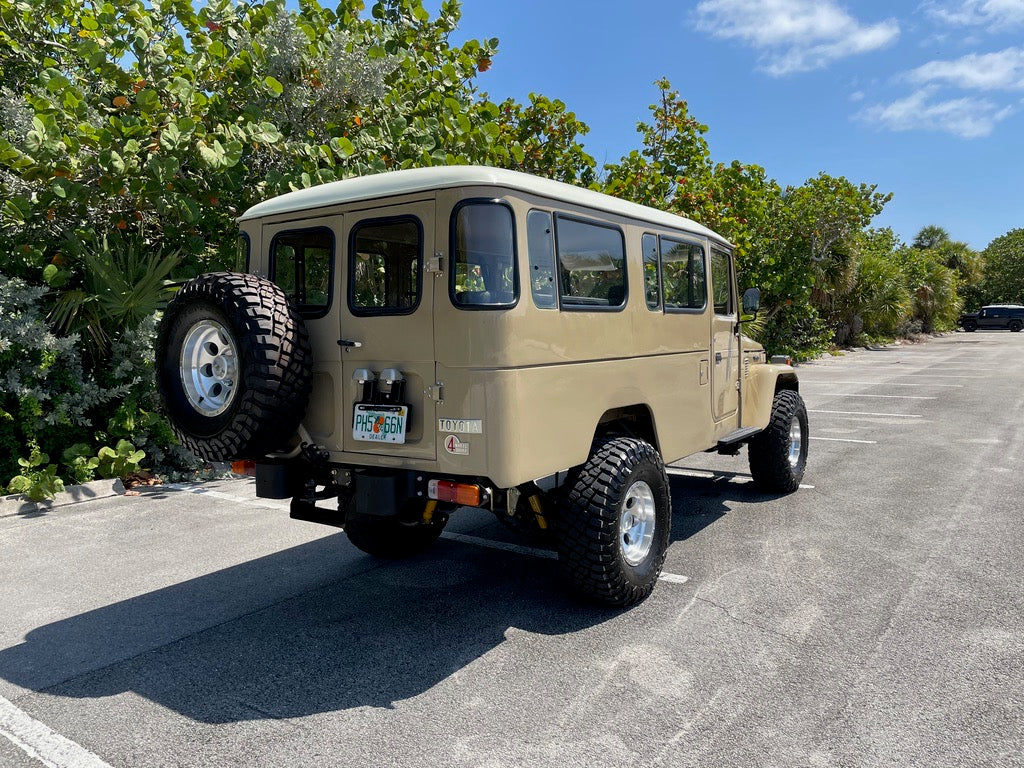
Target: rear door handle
x: 349, y: 344
x: 718, y: 357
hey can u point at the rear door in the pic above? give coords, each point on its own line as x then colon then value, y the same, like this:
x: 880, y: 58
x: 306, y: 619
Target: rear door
x: 387, y: 328
x: 304, y: 257
x: 725, y: 354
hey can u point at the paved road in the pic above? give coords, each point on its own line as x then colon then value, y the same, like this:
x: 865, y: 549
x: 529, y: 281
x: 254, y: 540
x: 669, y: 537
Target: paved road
x: 873, y: 619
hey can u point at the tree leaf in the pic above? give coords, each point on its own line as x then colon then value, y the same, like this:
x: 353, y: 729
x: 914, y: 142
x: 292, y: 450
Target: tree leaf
x: 274, y: 85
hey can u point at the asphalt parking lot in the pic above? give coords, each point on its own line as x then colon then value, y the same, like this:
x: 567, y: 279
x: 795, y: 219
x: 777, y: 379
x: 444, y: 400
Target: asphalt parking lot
x: 873, y: 618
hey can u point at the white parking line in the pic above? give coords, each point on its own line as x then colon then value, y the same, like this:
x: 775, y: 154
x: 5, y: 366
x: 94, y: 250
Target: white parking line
x: 672, y: 578
x: 906, y: 374
x: 42, y: 743
x: 502, y: 545
x: 866, y: 413
x: 946, y: 376
x: 892, y: 397
x: 804, y: 381
x: 251, y: 502
x: 845, y: 440
x: 460, y: 537
x: 712, y: 475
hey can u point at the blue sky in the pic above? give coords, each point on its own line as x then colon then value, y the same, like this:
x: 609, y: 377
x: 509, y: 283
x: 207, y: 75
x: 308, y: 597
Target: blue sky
x: 925, y: 99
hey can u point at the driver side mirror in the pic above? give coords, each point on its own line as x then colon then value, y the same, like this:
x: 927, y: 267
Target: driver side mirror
x: 751, y: 303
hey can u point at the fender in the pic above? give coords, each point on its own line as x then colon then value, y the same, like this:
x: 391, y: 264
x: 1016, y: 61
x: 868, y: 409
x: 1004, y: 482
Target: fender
x: 762, y: 384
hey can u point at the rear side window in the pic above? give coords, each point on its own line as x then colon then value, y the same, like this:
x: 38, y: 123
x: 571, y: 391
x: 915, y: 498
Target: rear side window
x: 591, y: 264
x: 682, y: 275
x: 483, y: 273
x: 721, y: 283
x: 385, y: 266
x: 301, y: 264
x: 541, y: 243
x: 652, y: 274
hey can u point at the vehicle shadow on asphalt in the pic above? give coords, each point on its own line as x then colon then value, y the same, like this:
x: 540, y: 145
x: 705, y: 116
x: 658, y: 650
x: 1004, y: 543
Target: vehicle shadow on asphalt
x: 388, y: 633
x: 699, y: 502
x: 211, y: 650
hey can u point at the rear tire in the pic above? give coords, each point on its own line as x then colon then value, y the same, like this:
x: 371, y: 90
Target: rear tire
x: 778, y: 455
x: 233, y: 366
x: 614, y: 524
x: 397, y: 536
x: 1016, y: 325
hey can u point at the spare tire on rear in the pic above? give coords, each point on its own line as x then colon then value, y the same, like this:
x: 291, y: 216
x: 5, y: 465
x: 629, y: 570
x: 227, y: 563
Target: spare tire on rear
x: 233, y: 366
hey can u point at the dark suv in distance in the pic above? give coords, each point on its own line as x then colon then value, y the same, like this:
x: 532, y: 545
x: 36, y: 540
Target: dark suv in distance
x: 995, y: 317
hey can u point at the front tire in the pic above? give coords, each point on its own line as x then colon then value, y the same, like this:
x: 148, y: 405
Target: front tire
x: 778, y: 455
x: 970, y: 326
x: 614, y: 527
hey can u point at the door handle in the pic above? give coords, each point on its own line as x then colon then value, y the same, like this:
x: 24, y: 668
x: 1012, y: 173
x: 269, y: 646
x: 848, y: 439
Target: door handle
x: 718, y: 357
x: 349, y: 344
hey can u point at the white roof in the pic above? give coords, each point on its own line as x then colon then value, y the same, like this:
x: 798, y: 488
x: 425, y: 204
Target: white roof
x: 392, y: 183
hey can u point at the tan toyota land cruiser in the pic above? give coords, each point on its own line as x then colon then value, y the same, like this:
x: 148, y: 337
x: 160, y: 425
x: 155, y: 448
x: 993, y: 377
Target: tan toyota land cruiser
x: 423, y: 340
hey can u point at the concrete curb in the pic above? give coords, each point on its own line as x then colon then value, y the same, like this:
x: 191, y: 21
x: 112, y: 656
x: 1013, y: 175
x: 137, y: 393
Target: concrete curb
x: 73, y: 494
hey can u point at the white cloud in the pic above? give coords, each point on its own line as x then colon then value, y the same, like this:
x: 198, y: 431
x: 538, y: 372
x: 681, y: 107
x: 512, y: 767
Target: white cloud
x: 994, y: 14
x: 1001, y: 70
x: 968, y: 117
x: 794, y: 35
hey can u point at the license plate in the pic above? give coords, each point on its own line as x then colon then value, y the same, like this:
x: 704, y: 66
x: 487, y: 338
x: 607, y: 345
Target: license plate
x: 380, y: 423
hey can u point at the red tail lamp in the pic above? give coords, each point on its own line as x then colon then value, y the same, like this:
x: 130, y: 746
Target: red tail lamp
x: 460, y: 493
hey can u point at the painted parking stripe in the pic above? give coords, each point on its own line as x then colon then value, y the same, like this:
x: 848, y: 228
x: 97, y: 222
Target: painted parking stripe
x: 712, y: 475
x: 460, y: 537
x: 844, y: 440
x: 505, y: 546
x: 42, y: 743
x: 879, y: 383
x: 892, y: 397
x: 251, y: 502
x: 673, y: 578
x: 867, y: 413
x: 478, y: 541
x: 895, y: 372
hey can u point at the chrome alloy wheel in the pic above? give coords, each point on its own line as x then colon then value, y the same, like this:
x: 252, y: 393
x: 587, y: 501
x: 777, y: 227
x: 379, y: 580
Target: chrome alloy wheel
x: 636, y: 523
x: 795, y: 442
x: 209, y: 367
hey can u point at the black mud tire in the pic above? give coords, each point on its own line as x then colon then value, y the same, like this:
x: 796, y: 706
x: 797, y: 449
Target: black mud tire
x: 590, y: 549
x: 771, y: 464
x: 397, y: 536
x: 1015, y: 326
x: 273, y: 358
x: 970, y: 326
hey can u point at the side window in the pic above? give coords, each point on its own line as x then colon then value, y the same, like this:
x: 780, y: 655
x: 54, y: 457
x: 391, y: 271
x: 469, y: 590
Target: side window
x: 541, y: 244
x: 652, y: 274
x: 242, y: 253
x: 591, y: 264
x: 301, y: 264
x: 721, y: 283
x: 483, y: 250
x: 682, y: 274
x: 385, y: 258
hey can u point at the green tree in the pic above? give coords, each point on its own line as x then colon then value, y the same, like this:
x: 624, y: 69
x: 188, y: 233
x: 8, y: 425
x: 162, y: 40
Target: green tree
x: 1003, y: 261
x: 879, y: 301
x: 133, y: 132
